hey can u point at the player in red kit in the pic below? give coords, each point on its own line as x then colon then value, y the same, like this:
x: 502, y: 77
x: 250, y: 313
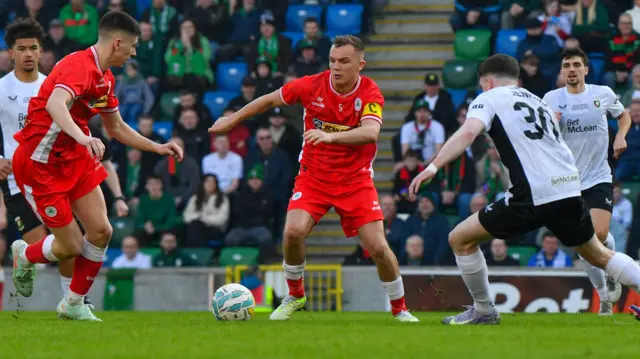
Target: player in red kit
x: 57, y: 163
x: 343, y: 115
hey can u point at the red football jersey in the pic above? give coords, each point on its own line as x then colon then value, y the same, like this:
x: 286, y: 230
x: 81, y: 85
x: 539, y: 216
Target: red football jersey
x: 330, y: 111
x: 92, y: 90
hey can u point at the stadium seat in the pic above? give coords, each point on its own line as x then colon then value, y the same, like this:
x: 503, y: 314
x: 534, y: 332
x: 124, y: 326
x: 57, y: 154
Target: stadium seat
x: 521, y: 253
x: 295, y: 37
x: 507, y: 41
x: 110, y: 256
x: 168, y: 103
x: 595, y: 55
x: 457, y: 96
x: 151, y: 252
x: 231, y: 256
x: 230, y: 74
x: 141, y: 7
x: 122, y: 227
x: 217, y: 101
x: 472, y: 44
x: 296, y: 14
x: 460, y: 74
x: 3, y: 45
x: 596, y: 67
x: 201, y: 256
x: 164, y: 129
x: 344, y: 18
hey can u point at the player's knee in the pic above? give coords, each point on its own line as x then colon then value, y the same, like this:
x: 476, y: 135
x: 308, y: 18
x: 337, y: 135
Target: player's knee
x: 102, y: 234
x: 294, y: 233
x: 378, y: 249
x: 602, y: 234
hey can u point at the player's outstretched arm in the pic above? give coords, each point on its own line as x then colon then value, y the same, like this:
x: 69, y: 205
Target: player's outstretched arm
x: 451, y: 150
x: 253, y: 108
x: 620, y: 142
x: 119, y: 130
x: 57, y: 106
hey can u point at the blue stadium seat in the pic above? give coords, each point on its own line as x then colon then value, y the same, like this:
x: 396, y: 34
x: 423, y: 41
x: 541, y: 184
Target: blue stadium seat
x: 596, y: 55
x: 217, y: 101
x: 331, y: 34
x: 296, y: 14
x: 230, y: 74
x: 596, y: 67
x: 111, y: 255
x: 457, y: 96
x: 507, y: 41
x: 164, y: 129
x: 345, y: 18
x: 3, y: 45
x: 142, y: 6
x: 295, y: 37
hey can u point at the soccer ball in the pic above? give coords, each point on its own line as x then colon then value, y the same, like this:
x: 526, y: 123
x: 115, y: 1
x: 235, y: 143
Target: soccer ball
x: 233, y: 302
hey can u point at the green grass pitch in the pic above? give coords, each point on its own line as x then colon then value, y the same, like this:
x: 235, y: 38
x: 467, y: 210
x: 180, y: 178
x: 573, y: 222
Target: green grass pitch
x: 316, y: 335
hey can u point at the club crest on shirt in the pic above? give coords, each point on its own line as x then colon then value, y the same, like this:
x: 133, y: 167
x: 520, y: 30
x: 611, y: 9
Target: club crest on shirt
x: 19, y: 223
x: 597, y: 103
x: 358, y: 104
x: 329, y: 127
x: 98, y: 103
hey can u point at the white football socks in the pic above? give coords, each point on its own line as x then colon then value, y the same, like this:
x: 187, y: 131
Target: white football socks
x: 474, y: 271
x: 394, y: 289
x: 598, y: 280
x: 624, y: 270
x: 610, y: 242
x: 65, y: 283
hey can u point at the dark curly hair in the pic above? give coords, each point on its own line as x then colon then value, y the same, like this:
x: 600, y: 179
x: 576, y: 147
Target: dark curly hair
x: 23, y: 28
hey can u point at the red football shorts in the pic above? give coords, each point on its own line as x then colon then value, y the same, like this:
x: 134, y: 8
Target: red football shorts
x: 51, y: 188
x: 356, y: 204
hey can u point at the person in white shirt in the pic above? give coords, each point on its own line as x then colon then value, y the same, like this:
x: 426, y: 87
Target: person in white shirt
x: 423, y: 135
x: 225, y: 164
x: 635, y: 15
x: 584, y: 111
x: 621, y: 216
x: 130, y: 257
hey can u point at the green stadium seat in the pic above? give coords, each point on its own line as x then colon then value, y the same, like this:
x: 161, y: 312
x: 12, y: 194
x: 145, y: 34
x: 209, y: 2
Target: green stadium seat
x: 168, y: 103
x: 631, y: 191
x: 460, y: 74
x: 201, y: 256
x: 453, y: 220
x: 472, y: 44
x: 521, y: 253
x: 238, y: 256
x: 122, y: 227
x: 151, y: 251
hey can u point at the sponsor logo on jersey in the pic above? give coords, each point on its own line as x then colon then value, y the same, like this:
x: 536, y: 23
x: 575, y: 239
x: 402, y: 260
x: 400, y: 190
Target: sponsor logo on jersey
x: 562, y: 106
x: 98, y: 103
x: 560, y: 180
x: 329, y: 127
x: 372, y: 109
x: 581, y: 106
x: 597, y: 103
x: 574, y: 126
x: 13, y: 99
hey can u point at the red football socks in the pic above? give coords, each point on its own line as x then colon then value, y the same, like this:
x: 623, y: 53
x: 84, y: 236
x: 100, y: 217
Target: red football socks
x: 35, y: 254
x: 398, y: 305
x: 84, y: 274
x: 296, y: 287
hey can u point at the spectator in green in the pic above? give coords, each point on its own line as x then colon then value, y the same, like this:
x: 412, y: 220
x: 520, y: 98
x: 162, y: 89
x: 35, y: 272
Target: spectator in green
x: 188, y: 59
x: 591, y: 26
x: 81, y: 22
x: 271, y: 45
x: 150, y: 53
x: 156, y: 212
x: 170, y: 255
x: 163, y: 19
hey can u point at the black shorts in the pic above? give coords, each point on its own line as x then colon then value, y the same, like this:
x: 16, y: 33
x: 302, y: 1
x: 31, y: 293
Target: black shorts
x: 568, y: 219
x: 599, y: 196
x: 19, y: 211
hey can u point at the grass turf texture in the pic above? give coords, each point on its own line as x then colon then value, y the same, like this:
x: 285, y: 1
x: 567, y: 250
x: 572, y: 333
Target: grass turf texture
x: 316, y: 335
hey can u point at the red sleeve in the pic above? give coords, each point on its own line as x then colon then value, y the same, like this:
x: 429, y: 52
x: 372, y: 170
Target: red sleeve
x: 70, y: 78
x: 112, y: 100
x: 291, y: 93
x: 373, y: 104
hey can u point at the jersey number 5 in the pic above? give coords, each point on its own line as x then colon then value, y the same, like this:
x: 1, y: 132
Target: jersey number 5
x: 541, y: 128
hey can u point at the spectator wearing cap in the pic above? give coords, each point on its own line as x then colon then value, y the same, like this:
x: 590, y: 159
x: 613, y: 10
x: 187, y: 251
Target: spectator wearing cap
x: 247, y: 94
x: 246, y: 28
x: 188, y: 59
x: 439, y: 102
x: 58, y: 42
x: 189, y: 101
x: 312, y: 32
x: 432, y: 227
x: 476, y: 13
x: 424, y: 135
x: 545, y: 47
x: 623, y: 52
x: 134, y: 94
x: 252, y: 214
x: 285, y: 137
x: 514, y: 12
x: 181, y: 178
x: 150, y: 54
x: 274, y: 47
x: 532, y: 78
x: 81, y: 22
x: 308, y: 63
x: 554, y: 22
x: 266, y: 80
x: 239, y: 137
x: 225, y: 164
x: 591, y: 26
x: 164, y: 20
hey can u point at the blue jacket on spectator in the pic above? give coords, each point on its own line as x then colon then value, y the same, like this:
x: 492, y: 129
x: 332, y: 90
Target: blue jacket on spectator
x: 396, y: 234
x: 434, y: 231
x: 486, y: 6
x: 546, y: 48
x: 245, y: 25
x: 277, y: 171
x: 633, y: 144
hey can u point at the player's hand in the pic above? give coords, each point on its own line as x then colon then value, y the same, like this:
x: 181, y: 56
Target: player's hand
x: 5, y: 168
x: 122, y: 209
x: 424, y: 177
x: 315, y: 137
x: 170, y: 149
x: 94, y: 145
x: 558, y: 116
x: 149, y: 228
x: 619, y: 145
x: 222, y: 125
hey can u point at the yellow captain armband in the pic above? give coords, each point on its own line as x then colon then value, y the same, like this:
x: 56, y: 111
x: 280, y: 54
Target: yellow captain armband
x: 372, y: 109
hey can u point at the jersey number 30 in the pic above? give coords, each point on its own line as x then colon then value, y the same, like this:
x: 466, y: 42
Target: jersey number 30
x: 541, y: 127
